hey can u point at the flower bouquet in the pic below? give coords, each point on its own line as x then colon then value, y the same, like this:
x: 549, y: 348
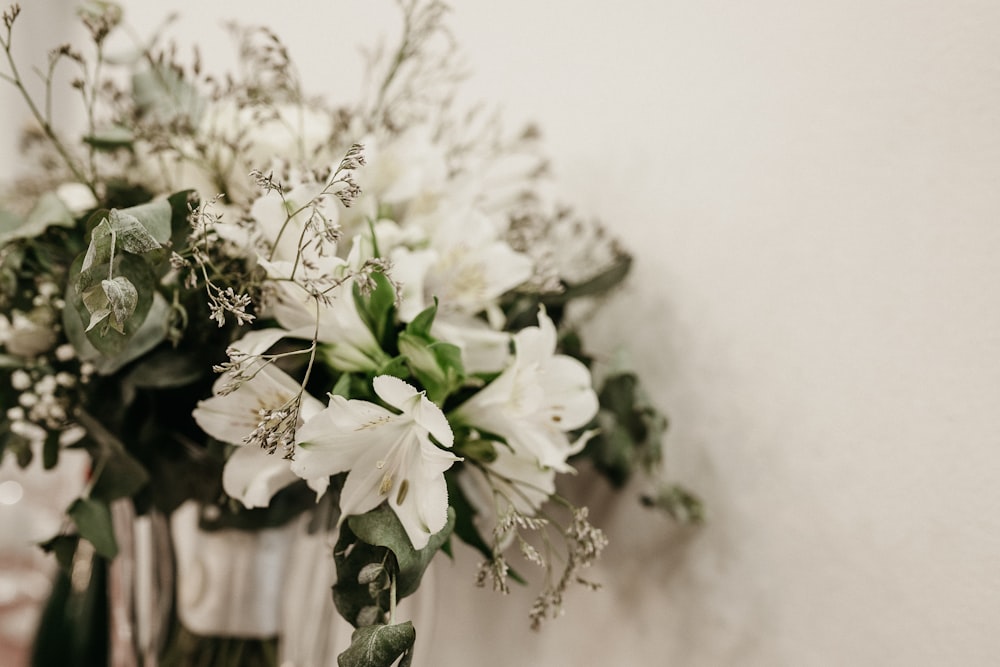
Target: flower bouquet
x: 267, y: 317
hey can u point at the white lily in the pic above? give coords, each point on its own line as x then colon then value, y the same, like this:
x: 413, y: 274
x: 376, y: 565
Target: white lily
x: 538, y: 399
x: 466, y: 265
x: 349, y: 344
x: 388, y: 456
x: 251, y: 475
x: 508, y: 482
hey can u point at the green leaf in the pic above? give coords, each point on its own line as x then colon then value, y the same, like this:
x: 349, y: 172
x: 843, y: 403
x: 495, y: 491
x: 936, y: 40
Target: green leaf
x: 50, y: 450
x: 122, y: 298
x: 166, y: 368
x: 89, y: 297
x: 181, y: 204
x: 150, y: 334
x: 476, y: 449
x: 378, y: 532
x: 682, y: 505
x: 122, y: 476
x: 93, y: 520
x: 161, y: 92
x: 10, y: 361
x: 99, y: 251
x: 377, y: 308
x: 631, y: 430
x: 50, y: 211
x: 63, y: 547
x: 599, y: 284
x: 131, y: 235
x: 378, y: 645
x: 421, y: 324
x: 155, y: 217
x: 110, y: 138
x: 436, y: 364
x: 381, y: 527
x: 343, y: 386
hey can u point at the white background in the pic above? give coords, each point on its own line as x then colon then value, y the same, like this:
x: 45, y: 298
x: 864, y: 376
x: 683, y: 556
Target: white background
x: 811, y: 191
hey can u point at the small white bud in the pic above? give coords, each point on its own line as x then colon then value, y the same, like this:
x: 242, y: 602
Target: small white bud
x: 20, y: 380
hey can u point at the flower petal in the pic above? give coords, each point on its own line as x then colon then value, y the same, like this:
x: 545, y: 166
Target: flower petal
x: 570, y: 400
x: 232, y: 417
x: 536, y: 344
x: 397, y: 393
x: 253, y: 476
x: 422, y: 505
x: 365, y: 488
x: 337, y: 437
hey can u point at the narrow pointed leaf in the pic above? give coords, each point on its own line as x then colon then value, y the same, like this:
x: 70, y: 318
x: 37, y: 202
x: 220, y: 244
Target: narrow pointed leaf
x: 93, y: 520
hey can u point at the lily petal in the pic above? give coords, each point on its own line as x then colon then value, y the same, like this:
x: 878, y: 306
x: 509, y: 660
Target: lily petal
x: 253, y: 476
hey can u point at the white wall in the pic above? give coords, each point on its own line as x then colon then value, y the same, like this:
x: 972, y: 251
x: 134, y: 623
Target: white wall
x: 811, y: 189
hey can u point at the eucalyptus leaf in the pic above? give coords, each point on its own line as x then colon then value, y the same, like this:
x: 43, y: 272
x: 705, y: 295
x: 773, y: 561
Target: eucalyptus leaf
x: 381, y: 527
x: 89, y: 300
x: 131, y: 235
x: 122, y: 476
x: 123, y: 298
x: 50, y: 211
x: 378, y: 645
x: 98, y: 315
x: 100, y: 251
x: 155, y: 217
x: 10, y: 223
x: 602, y: 282
x: 162, y: 93
x: 166, y: 368
x: 380, y: 541
x: 110, y: 138
x: 150, y: 333
x: 93, y: 520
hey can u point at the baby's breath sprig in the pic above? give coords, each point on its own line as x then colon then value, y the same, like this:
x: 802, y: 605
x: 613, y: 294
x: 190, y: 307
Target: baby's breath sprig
x: 204, y: 245
x: 406, y: 95
x: 582, y: 546
x: 43, y: 116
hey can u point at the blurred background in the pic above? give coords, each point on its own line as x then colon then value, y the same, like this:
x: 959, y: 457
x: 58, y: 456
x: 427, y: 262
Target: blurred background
x: 811, y: 192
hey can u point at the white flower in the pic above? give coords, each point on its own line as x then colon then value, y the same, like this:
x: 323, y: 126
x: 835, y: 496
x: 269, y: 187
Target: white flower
x: 389, y: 457
x: 251, y: 475
x: 466, y: 266
x: 484, y: 350
x: 508, y: 482
x: 535, y: 401
x: 348, y: 343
